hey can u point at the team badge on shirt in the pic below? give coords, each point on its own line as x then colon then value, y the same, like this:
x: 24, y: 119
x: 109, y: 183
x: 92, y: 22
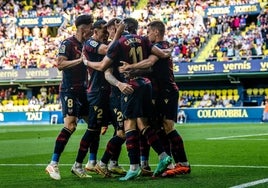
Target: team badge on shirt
x: 93, y: 43
x: 62, y: 49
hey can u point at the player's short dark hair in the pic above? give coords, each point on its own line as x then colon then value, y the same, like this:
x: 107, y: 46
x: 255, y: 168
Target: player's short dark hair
x: 158, y: 25
x: 131, y: 25
x: 112, y: 21
x: 83, y: 19
x: 99, y: 24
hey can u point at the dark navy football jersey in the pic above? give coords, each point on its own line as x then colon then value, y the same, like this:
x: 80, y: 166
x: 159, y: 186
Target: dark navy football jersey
x: 131, y: 49
x: 162, y: 74
x: 74, y: 78
x: 97, y: 80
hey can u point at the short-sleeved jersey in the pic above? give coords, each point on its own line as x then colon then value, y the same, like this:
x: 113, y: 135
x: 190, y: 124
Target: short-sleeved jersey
x: 130, y: 48
x: 162, y: 73
x: 74, y: 78
x: 97, y: 82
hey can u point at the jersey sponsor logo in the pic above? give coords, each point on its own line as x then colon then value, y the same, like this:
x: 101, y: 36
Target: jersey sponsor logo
x: 62, y: 49
x: 95, y: 108
x: 115, y: 110
x: 166, y: 101
x: 93, y: 43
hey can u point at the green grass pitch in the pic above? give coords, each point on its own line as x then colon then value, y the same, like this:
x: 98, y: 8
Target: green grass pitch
x: 221, y: 155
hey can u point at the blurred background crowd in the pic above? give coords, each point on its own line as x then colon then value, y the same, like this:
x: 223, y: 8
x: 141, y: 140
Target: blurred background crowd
x: 239, y: 36
x: 23, y: 47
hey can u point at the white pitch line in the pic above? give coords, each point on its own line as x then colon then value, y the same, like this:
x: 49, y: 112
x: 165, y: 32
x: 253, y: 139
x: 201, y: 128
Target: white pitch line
x: 251, y: 139
x: 197, y: 165
x: 229, y: 166
x: 249, y: 184
x: 238, y: 136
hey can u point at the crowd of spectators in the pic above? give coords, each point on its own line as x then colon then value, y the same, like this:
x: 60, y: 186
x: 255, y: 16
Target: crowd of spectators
x: 240, y: 41
x: 13, y: 99
x: 37, y: 48
x: 23, y: 47
x: 209, y: 98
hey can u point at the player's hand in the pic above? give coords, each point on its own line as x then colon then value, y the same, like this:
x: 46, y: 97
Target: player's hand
x: 125, y: 67
x: 84, y: 59
x: 120, y: 26
x: 125, y: 88
x: 104, y: 130
x: 168, y: 52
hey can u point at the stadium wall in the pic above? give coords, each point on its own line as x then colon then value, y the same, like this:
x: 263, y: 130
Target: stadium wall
x: 31, y: 118
x: 194, y: 115
x: 231, y: 115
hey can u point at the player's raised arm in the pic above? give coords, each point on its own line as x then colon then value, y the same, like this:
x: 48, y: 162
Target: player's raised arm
x: 144, y: 64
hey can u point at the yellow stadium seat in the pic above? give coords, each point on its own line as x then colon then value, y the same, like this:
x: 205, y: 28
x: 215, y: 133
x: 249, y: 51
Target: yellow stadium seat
x: 55, y: 97
x: 218, y: 92
x: 235, y: 91
x: 4, y: 102
x: 230, y: 92
x: 224, y: 92
x: 236, y: 97
x: 14, y: 97
x: 21, y: 102
x: 208, y: 91
x: 229, y: 97
x: 196, y: 104
x: 201, y: 93
x: 180, y: 93
x: 202, y: 39
x: 219, y: 55
x: 15, y: 102
x: 196, y: 93
x: 191, y: 92
x: 213, y: 91
x: 266, y: 91
x: 255, y: 91
x: 249, y: 91
x: 39, y: 96
x: 185, y: 93
x: 261, y: 91
x: 25, y: 102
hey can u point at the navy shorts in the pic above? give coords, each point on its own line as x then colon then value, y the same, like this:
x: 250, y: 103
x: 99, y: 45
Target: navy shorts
x: 139, y: 103
x: 116, y: 113
x: 74, y: 103
x: 99, y: 111
x: 167, y: 104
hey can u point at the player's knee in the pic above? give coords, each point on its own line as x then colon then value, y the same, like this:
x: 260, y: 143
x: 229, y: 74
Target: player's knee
x: 168, y: 126
x: 70, y: 123
x: 121, y: 134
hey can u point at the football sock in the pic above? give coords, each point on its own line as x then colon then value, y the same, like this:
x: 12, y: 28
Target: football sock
x: 88, y: 138
x: 164, y: 140
x: 132, y: 144
x: 153, y: 140
x: 177, y: 147
x: 144, y: 150
x: 60, y: 144
x: 113, y: 149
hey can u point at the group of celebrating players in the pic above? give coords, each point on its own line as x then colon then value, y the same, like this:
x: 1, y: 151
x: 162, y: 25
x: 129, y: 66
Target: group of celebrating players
x: 111, y: 75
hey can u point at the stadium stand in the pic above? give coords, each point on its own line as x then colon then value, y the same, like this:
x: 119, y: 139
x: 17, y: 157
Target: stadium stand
x: 195, y: 40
